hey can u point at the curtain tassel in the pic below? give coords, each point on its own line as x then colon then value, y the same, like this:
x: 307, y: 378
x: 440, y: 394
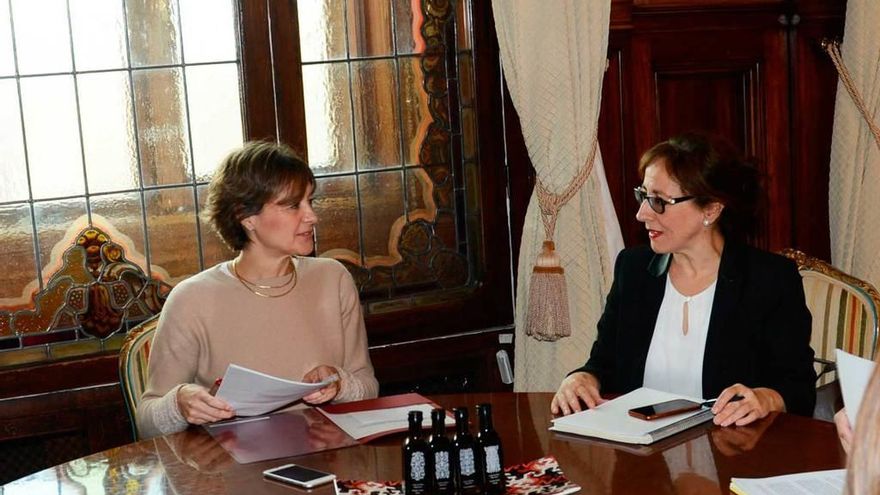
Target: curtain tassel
x: 547, y: 316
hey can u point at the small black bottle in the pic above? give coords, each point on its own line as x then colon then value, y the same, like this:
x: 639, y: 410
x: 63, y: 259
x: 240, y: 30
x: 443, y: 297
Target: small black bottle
x: 491, y: 455
x: 467, y: 465
x: 416, y: 458
x: 441, y: 455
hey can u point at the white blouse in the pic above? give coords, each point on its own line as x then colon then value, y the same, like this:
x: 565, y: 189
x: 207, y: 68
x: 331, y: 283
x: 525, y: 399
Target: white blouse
x: 675, y: 359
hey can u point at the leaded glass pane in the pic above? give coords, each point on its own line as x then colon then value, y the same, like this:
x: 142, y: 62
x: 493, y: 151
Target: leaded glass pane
x: 54, y: 219
x: 328, y: 118
x: 419, y: 195
x: 13, y: 171
x: 122, y: 217
x: 7, y: 58
x: 215, y: 115
x: 98, y: 34
x: 377, y: 132
x: 153, y: 33
x: 52, y: 131
x: 321, y: 29
x: 208, y: 33
x: 214, y: 250
x: 17, y: 263
x: 171, y: 226
x: 381, y: 195
x: 109, y: 141
x: 416, y: 117
x: 369, y: 28
x: 338, y: 230
x: 407, y: 28
x: 161, y: 126
x: 42, y: 37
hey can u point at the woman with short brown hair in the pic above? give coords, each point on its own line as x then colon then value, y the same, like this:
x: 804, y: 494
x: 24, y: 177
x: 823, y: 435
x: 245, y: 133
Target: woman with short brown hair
x: 272, y: 308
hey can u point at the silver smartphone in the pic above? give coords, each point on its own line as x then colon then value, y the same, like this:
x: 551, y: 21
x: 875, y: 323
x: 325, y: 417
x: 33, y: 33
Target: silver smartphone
x: 299, y: 475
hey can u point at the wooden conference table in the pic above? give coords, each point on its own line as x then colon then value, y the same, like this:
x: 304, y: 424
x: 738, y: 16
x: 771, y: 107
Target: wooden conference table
x: 698, y: 461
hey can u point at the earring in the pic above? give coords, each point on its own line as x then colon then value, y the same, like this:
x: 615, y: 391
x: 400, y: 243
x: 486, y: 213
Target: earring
x: 706, y: 222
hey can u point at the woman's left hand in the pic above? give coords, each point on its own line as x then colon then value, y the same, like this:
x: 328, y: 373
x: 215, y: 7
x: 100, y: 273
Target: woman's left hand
x: 756, y: 403
x: 327, y: 393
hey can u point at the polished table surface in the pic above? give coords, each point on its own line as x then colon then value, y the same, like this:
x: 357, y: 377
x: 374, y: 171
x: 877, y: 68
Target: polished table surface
x: 699, y: 461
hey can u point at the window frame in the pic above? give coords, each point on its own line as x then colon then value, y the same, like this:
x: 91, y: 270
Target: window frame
x: 274, y: 109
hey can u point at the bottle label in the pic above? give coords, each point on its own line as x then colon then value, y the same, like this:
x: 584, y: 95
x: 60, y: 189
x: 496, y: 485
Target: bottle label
x: 441, y: 466
x: 417, y: 466
x: 493, y: 460
x: 466, y: 462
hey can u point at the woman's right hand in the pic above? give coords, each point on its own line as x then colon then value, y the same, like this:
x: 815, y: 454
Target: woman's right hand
x: 198, y: 406
x: 844, y: 429
x: 576, y: 387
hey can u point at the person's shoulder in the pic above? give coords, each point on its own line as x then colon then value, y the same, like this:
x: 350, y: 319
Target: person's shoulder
x: 323, y: 268
x: 200, y: 283
x: 766, y: 260
x: 636, y: 255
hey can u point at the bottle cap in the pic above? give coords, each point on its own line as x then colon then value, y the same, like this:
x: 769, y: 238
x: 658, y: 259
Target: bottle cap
x: 438, y: 414
x: 415, y: 416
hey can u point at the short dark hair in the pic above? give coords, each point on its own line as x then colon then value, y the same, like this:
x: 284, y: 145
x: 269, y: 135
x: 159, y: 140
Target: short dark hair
x: 711, y: 169
x: 246, y: 180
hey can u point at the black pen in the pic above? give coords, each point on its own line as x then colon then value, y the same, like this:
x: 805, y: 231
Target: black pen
x: 711, y: 402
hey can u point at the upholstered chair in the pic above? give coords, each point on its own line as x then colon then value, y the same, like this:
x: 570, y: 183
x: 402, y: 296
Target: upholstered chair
x: 133, y: 371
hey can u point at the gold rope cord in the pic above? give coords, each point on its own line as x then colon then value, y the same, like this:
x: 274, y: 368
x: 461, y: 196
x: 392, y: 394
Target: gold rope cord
x: 833, y: 49
x: 550, y: 203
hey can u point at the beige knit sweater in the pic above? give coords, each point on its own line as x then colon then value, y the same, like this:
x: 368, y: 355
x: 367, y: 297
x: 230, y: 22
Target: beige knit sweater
x: 211, y: 320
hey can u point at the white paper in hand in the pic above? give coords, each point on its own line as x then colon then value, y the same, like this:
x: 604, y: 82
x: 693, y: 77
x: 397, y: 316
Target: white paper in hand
x: 250, y: 392
x: 854, y: 373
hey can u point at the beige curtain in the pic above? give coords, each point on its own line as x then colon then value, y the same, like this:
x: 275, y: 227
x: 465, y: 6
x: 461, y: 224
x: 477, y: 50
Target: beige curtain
x: 854, y: 184
x: 554, y: 57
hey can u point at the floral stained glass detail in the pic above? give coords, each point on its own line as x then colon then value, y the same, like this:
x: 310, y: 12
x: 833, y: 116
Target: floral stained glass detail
x: 96, y: 291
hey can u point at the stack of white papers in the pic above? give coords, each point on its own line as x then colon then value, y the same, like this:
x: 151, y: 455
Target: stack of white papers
x: 612, y: 421
x: 251, y: 393
x: 362, y: 424
x: 816, y: 483
x: 854, y: 373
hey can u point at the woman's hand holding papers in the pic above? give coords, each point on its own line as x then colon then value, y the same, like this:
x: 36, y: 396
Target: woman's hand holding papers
x: 198, y: 406
x: 756, y: 403
x: 326, y: 394
x: 576, y: 387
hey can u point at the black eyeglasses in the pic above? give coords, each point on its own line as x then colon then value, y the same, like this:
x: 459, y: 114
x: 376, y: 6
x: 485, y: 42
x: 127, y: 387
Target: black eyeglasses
x: 657, y: 203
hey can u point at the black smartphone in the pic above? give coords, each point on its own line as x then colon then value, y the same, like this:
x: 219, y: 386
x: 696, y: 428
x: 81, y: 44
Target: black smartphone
x: 299, y: 475
x: 664, y: 409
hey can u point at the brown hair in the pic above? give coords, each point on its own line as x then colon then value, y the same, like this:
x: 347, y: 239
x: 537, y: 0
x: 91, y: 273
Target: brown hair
x: 863, y: 466
x: 712, y: 170
x: 247, y: 179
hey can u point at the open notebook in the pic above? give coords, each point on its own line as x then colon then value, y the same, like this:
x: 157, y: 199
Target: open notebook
x: 611, y: 420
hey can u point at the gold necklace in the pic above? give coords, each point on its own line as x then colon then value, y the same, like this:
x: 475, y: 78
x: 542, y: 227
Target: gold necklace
x: 245, y: 282
x: 258, y: 286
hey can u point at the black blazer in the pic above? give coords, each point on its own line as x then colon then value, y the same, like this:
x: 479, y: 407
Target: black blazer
x: 759, y: 328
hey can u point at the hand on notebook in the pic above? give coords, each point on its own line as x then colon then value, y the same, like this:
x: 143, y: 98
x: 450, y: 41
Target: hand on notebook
x: 198, y: 406
x: 326, y: 394
x: 575, y: 388
x: 844, y: 429
x: 756, y: 403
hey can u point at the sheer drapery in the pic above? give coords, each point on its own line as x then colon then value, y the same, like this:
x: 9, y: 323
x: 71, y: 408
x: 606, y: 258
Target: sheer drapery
x: 854, y: 182
x: 554, y: 58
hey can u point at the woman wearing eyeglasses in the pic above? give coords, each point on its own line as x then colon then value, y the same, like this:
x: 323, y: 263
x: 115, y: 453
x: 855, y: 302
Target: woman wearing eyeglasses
x: 699, y: 313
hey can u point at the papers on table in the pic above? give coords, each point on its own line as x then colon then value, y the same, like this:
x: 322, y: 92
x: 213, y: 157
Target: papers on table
x: 853, y: 373
x: 815, y: 483
x: 612, y: 421
x: 372, y: 418
x: 250, y: 392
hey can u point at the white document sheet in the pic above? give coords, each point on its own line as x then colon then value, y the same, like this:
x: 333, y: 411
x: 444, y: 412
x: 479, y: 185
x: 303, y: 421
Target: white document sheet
x: 363, y: 424
x: 251, y: 393
x: 813, y: 483
x: 612, y: 421
x: 853, y: 373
